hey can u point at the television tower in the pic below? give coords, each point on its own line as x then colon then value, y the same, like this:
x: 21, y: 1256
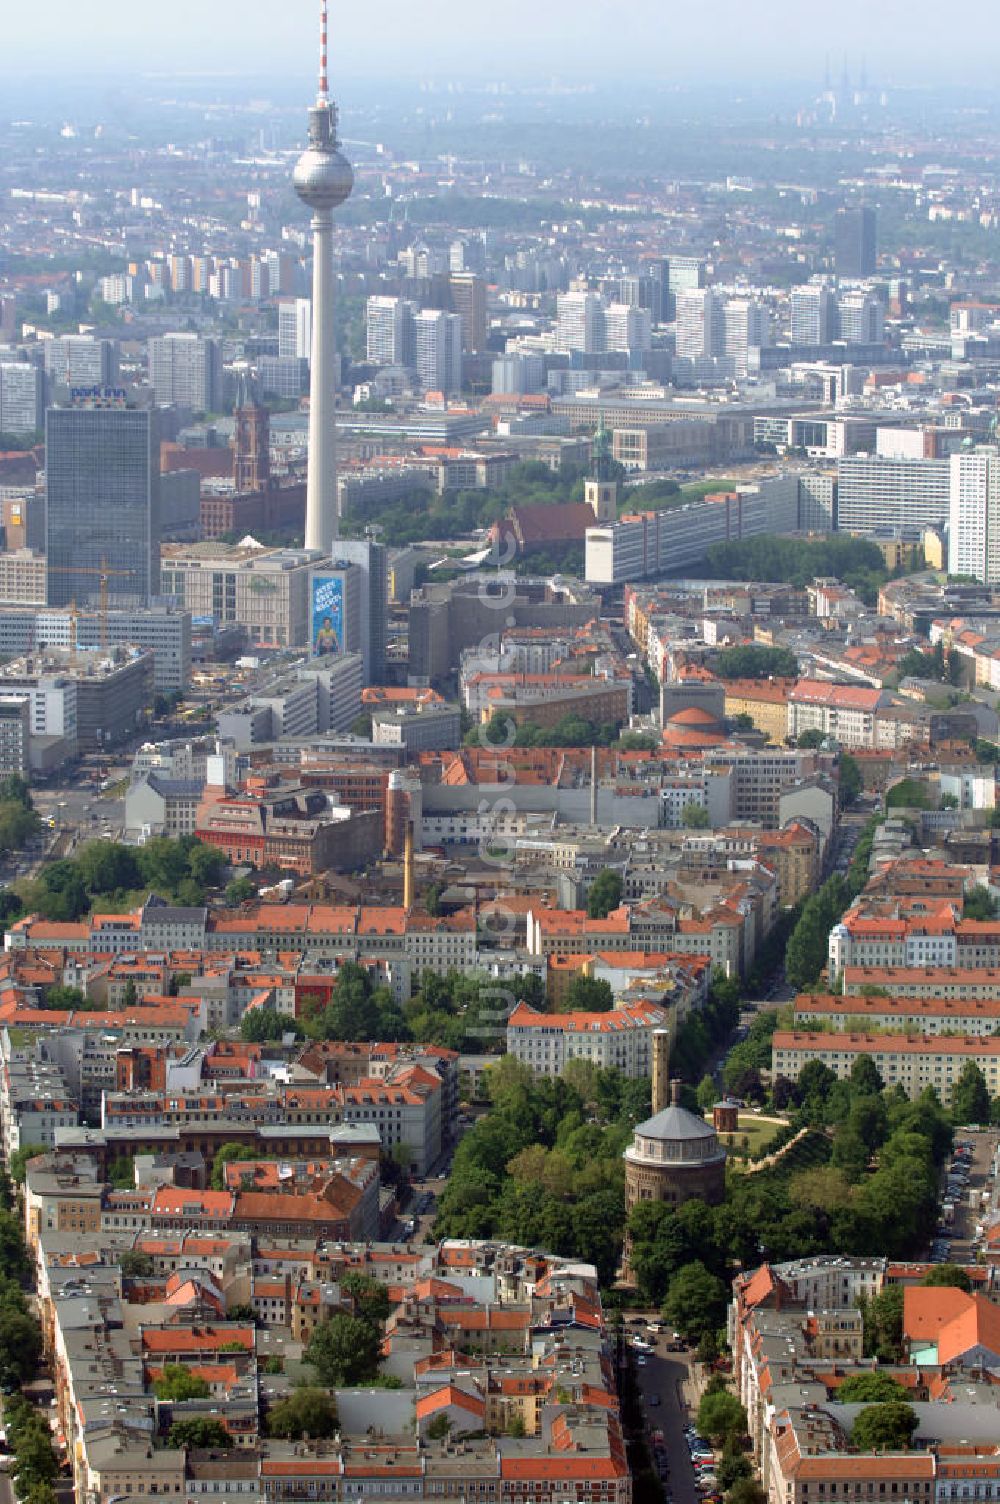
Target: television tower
x: 323, y: 179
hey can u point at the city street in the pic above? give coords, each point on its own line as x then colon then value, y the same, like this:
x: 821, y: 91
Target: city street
x: 980, y: 1179
x: 669, y: 1375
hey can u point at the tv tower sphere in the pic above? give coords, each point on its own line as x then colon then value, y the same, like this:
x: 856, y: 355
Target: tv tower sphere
x: 323, y: 177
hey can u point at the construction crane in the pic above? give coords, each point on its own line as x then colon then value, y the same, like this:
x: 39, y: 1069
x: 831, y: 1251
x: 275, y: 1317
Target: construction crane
x: 104, y: 575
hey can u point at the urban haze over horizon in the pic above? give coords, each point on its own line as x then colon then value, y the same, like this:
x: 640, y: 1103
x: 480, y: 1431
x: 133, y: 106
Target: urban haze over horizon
x: 767, y: 42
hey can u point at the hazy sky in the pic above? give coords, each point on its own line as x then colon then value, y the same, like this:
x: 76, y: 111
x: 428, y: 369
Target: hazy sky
x: 904, y: 40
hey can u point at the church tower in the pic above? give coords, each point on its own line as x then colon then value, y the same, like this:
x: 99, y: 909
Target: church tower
x: 252, y: 460
x: 600, y: 491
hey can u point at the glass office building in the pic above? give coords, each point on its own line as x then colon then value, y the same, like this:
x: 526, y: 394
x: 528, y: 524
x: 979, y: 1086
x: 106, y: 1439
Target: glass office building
x: 102, y: 512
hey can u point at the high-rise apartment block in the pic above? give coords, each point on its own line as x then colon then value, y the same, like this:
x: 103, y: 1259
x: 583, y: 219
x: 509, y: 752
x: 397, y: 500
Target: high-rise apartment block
x: 390, y: 331
x: 186, y: 370
x: 701, y: 326
x: 746, y: 322
x: 15, y: 734
x: 21, y: 404
x: 467, y: 255
x: 79, y: 360
x: 519, y: 373
x: 644, y: 290
x: 974, y: 514
x: 580, y: 323
x: 180, y: 274
x: 102, y: 504
x: 685, y: 273
x: 628, y: 327
x: 294, y: 328
x: 894, y: 497
x: 468, y: 300
x: 8, y: 318
x: 438, y: 350
x: 862, y: 319
x: 815, y: 317
x: 855, y: 242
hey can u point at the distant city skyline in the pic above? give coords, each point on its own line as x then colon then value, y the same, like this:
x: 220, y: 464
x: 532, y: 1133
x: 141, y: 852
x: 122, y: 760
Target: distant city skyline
x: 592, y: 37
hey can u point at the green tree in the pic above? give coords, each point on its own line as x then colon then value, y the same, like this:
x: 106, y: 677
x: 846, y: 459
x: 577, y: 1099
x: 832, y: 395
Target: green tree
x: 266, y: 1025
x: 884, y: 1428
x: 199, y: 1431
x: 20, y: 1344
x: 908, y: 793
x: 13, y: 1256
x: 178, y: 1383
x: 226, y: 1154
x: 240, y: 890
x: 696, y: 1300
x: 637, y: 741
x: 344, y: 1350
x: 810, y: 740
x: 979, y: 903
x: 850, y: 783
x: 948, y: 1275
x: 135, y: 1265
x: 695, y: 816
x: 708, y: 1348
x: 307, y: 1412
x: 64, y: 999
x: 721, y: 1416
x: 368, y: 1296
x: 806, y: 954
x: 19, y: 1160
x: 40, y: 1493
x: 121, y: 1172
x: 587, y: 995
x: 605, y: 893
x: 746, y: 1491
x: 882, y: 1315
x: 14, y: 790
x: 708, y: 1093
x: 756, y: 662
x: 734, y: 1465
x: 855, y: 561
x: 34, y: 1459
x: 870, y: 1389
x: 970, y: 1098
x: 865, y: 1079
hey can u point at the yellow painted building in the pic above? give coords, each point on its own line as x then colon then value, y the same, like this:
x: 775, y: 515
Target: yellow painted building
x: 765, y: 701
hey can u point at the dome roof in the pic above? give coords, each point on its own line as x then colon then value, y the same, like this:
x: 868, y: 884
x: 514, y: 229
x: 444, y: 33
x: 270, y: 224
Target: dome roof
x: 677, y: 1125
x: 693, y: 715
x: 686, y: 736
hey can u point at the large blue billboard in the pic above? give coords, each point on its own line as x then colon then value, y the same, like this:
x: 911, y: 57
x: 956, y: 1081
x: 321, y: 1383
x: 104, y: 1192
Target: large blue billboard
x: 327, y: 614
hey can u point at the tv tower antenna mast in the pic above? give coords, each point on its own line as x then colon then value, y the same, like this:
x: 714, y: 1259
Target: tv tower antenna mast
x: 323, y: 179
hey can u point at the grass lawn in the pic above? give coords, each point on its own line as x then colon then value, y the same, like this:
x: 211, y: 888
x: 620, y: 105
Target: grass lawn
x: 696, y: 489
x: 760, y: 1132
x: 633, y: 500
